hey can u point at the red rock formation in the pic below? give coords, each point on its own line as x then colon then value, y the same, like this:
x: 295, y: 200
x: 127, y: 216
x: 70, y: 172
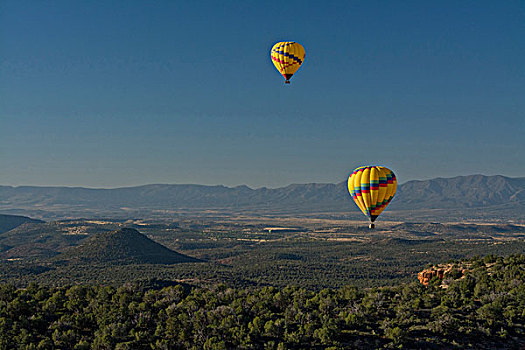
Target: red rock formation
x: 426, y: 275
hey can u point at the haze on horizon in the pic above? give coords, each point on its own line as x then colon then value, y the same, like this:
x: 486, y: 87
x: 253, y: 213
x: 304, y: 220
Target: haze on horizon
x: 131, y: 93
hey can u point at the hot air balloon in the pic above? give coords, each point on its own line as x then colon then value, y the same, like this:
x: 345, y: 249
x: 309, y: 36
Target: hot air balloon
x: 287, y: 56
x: 372, y: 188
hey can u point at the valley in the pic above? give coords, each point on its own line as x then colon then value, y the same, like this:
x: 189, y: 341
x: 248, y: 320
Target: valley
x: 243, y: 250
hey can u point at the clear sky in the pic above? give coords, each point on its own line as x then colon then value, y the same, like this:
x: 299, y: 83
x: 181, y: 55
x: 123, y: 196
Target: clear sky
x: 121, y: 93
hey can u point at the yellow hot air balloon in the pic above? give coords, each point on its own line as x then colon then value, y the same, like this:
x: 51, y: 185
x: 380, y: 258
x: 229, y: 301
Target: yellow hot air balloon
x: 287, y: 56
x: 372, y: 188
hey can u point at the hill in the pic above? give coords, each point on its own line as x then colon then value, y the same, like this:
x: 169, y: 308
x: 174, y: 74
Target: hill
x: 9, y: 222
x: 503, y: 196
x: 123, y: 246
x: 37, y: 240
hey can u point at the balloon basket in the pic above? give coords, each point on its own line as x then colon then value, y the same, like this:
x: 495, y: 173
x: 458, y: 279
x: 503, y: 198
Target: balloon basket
x: 371, y: 226
x: 287, y: 81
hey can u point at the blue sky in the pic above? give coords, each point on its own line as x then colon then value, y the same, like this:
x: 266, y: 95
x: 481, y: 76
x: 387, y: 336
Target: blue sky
x: 121, y: 93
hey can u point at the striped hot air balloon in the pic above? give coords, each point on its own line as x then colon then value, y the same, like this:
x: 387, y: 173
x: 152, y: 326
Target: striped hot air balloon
x: 372, y: 188
x: 287, y: 56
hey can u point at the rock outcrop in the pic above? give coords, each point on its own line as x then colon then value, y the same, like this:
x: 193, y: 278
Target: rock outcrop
x: 440, y: 271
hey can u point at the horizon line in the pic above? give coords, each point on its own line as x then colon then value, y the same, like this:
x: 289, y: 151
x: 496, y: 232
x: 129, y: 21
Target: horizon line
x: 235, y: 186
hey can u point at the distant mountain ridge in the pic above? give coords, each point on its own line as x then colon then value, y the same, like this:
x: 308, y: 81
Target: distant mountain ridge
x: 462, y: 191
x: 474, y: 191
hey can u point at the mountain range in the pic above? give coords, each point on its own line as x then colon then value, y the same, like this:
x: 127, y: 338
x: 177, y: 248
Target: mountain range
x: 457, y: 193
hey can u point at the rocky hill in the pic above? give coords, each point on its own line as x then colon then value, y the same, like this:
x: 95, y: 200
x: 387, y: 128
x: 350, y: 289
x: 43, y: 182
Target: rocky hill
x: 123, y: 246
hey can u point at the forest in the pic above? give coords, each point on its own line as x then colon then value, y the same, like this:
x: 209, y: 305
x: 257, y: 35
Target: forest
x: 484, y: 307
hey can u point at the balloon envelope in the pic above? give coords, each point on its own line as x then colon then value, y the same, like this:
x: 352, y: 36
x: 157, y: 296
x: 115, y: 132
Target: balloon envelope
x: 287, y: 56
x: 372, y: 188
